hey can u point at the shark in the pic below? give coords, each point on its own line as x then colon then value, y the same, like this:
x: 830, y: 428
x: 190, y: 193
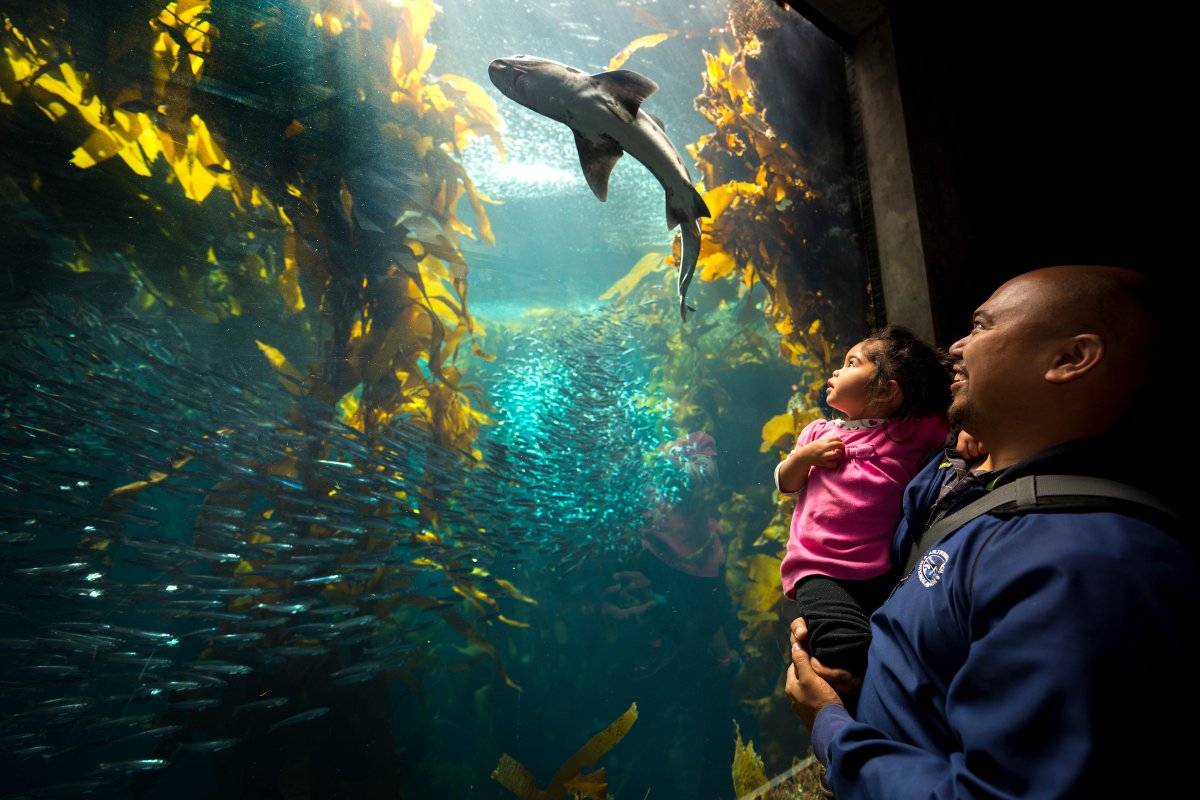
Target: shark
x: 604, y: 111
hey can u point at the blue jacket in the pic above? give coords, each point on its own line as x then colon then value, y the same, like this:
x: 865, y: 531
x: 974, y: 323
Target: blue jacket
x: 1041, y: 656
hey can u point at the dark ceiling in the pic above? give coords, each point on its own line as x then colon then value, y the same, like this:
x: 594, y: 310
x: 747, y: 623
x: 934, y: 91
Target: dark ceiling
x: 1039, y: 134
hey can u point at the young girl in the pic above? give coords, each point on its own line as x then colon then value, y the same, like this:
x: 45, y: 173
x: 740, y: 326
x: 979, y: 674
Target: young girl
x: 848, y: 476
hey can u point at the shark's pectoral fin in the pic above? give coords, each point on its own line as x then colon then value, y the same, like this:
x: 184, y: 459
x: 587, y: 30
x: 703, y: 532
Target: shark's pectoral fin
x: 597, y: 159
x: 627, y: 89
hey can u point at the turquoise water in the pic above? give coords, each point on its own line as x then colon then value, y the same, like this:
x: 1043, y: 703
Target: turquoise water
x: 404, y: 557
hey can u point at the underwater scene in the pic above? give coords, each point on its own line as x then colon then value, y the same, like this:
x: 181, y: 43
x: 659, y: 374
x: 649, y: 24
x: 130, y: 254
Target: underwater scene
x: 392, y: 392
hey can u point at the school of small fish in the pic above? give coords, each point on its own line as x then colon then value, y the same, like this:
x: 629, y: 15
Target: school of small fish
x: 158, y: 571
x: 580, y: 427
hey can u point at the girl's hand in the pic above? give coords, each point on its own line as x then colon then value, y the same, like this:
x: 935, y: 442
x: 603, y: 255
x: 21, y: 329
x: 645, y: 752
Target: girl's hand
x: 792, y: 474
x: 969, y: 447
x: 825, y: 452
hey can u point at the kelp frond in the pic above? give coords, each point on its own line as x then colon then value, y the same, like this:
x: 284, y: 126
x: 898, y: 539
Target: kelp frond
x: 617, y: 61
x: 748, y: 770
x: 513, y: 775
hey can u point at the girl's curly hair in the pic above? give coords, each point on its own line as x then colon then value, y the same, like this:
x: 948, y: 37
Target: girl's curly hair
x: 922, y: 371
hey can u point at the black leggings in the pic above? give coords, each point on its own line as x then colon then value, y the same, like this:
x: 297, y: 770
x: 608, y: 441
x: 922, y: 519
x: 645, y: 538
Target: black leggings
x: 837, y: 613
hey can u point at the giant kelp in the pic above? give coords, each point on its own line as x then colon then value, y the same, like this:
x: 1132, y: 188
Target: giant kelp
x: 315, y: 226
x: 769, y: 223
x: 770, y: 226
x: 345, y: 202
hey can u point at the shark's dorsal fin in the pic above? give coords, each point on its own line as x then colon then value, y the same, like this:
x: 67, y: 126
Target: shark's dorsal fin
x: 628, y: 90
x: 597, y: 159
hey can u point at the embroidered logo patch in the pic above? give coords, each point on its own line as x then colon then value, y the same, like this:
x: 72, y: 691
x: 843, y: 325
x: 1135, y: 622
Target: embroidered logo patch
x: 931, y: 567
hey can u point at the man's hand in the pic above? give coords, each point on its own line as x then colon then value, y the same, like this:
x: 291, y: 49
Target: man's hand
x: 843, y: 681
x: 807, y: 690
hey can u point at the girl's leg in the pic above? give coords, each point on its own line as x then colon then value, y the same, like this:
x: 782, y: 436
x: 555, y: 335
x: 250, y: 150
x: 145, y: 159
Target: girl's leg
x: 838, y: 616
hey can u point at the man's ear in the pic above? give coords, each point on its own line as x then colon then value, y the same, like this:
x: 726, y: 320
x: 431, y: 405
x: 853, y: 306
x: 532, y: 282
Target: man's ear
x: 1078, y: 356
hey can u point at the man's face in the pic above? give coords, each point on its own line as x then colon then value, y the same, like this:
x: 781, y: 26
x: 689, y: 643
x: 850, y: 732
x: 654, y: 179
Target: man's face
x: 997, y: 362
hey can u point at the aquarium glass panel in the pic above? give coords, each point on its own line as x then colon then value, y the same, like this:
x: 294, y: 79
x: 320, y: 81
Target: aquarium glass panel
x: 392, y: 392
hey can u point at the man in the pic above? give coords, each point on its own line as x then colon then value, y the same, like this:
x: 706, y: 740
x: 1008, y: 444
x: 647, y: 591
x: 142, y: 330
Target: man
x: 1041, y: 655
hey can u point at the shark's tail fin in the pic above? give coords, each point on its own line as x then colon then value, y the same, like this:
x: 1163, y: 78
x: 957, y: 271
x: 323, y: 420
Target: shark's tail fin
x: 685, y: 209
x: 689, y: 255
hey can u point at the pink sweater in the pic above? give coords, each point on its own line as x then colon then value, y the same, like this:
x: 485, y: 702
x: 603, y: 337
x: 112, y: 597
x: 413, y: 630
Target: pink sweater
x: 845, y: 515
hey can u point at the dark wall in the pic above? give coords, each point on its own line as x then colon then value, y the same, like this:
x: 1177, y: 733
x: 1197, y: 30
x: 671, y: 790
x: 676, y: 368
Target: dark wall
x: 1039, y: 135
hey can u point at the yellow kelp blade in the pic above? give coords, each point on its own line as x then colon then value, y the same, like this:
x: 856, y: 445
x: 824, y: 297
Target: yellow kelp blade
x: 717, y: 265
x: 288, y: 375
x: 464, y: 629
x: 761, y: 592
x: 415, y: 54
x: 591, y: 752
x: 646, y: 265
x: 288, y: 283
x: 748, y: 770
x: 130, y: 491
x: 719, y: 197
x: 637, y: 44
x: 512, y: 775
x: 474, y: 97
x: 589, y: 787
x: 776, y: 429
x: 479, y: 352
x: 514, y: 591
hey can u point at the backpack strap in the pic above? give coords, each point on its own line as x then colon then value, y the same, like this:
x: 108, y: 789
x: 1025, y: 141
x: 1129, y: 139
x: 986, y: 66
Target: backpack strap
x: 1044, y: 492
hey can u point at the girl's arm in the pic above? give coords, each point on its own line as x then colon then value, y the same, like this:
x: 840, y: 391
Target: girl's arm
x: 792, y: 473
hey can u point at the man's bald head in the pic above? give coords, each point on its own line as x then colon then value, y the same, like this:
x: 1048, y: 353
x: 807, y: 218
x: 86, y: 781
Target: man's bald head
x: 1112, y: 301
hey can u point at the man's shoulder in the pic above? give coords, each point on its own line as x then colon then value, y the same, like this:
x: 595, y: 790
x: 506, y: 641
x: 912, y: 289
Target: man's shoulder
x: 1104, y: 536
